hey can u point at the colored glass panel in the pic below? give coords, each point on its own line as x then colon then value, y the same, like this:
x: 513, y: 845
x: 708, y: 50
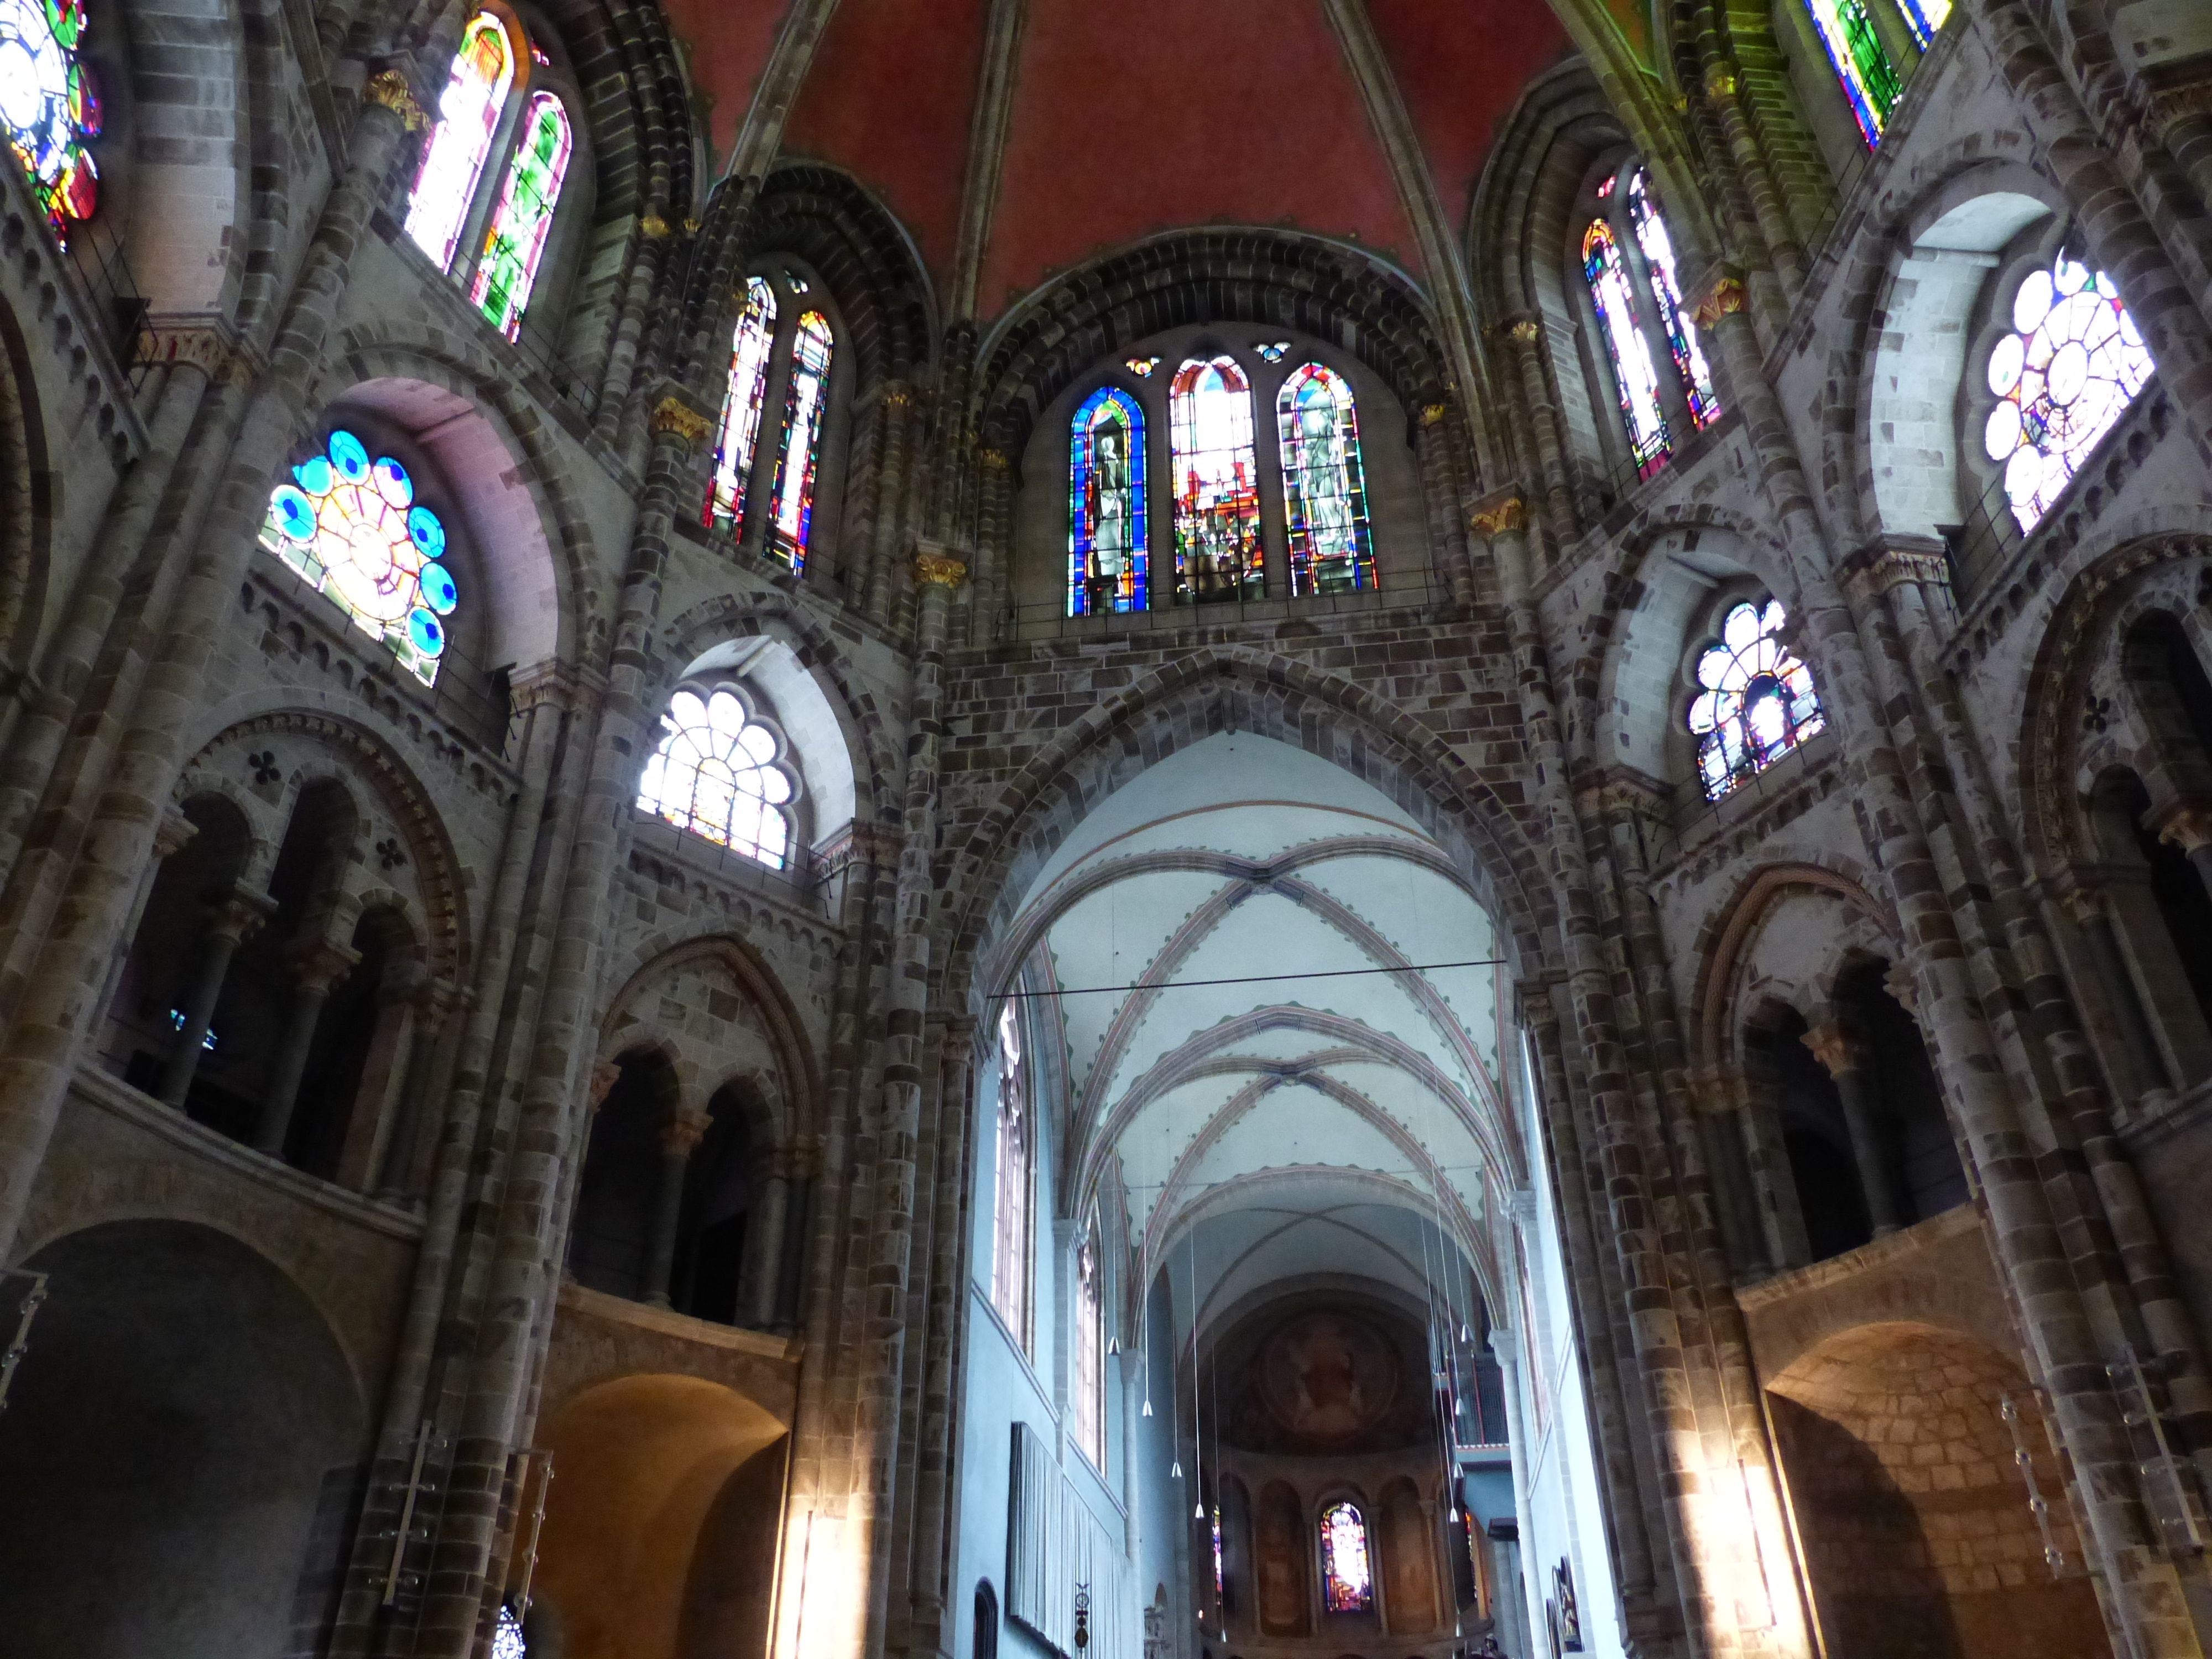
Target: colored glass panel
x: 1860, y: 60
x: 716, y: 773
x: 1142, y: 368
x: 50, y: 102
x: 1220, y: 1582
x: 1324, y: 484
x: 1756, y: 702
x: 1271, y: 350
x: 352, y: 529
x: 805, y: 406
x: 516, y: 241
x: 741, y: 408
x: 1216, y: 492
x: 1926, y: 17
x: 454, y: 160
x: 1635, y: 380
x: 1012, y: 1229
x: 1650, y: 228
x: 1347, y: 1586
x: 2072, y: 364
x: 1090, y: 1361
x: 507, y: 1641
x: 1108, y: 543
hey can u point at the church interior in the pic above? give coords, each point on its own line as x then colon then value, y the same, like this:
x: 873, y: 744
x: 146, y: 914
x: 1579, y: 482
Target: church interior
x: 1198, y: 830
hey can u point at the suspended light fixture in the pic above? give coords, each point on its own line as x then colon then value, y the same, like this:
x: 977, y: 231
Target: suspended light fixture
x: 1113, y: 1347
x: 1176, y: 1474
x: 1148, y: 1405
x: 1198, y: 1511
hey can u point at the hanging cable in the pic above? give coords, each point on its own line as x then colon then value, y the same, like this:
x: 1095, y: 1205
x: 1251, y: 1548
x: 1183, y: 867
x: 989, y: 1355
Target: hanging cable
x: 1251, y: 979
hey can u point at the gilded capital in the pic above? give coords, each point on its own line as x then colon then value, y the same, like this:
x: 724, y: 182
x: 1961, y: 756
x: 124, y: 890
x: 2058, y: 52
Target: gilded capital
x: 1498, y: 514
x: 2187, y: 825
x: 681, y: 1134
x: 1723, y: 295
x: 679, y: 420
x: 933, y: 570
x: 1720, y: 82
x: 1523, y: 330
x: 1832, y: 1046
x: 652, y: 227
x: 388, y: 89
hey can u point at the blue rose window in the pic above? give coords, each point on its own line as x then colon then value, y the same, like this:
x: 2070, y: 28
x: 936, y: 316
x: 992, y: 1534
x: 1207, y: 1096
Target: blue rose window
x: 352, y: 529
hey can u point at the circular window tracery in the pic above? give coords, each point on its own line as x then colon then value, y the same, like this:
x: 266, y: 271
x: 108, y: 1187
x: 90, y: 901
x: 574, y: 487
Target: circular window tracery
x: 716, y: 775
x: 50, y: 101
x: 1757, y: 701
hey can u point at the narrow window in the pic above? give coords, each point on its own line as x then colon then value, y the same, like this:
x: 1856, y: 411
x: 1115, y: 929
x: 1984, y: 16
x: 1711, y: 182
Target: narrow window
x: 507, y: 1641
x: 454, y: 160
x: 1220, y: 1584
x: 1347, y: 1584
x: 1216, y: 492
x: 1681, y: 333
x: 1009, y: 1245
x: 1755, y: 702
x: 1925, y: 17
x: 1091, y: 1352
x: 516, y: 241
x: 1634, y: 378
x: 1860, y: 60
x: 351, y: 528
x: 805, y: 407
x: 716, y: 775
x: 1107, y: 545
x: 1324, y: 485
x: 741, y: 407
x: 50, y: 103
x: 2069, y: 368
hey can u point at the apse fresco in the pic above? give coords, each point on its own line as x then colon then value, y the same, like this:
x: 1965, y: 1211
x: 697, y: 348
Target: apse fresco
x: 1327, y: 1377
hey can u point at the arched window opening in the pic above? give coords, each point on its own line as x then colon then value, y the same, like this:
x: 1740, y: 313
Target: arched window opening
x: 507, y: 1641
x: 1324, y: 485
x: 1860, y: 60
x: 1217, y: 492
x: 712, y: 1243
x: 805, y: 407
x: 50, y: 100
x: 717, y: 773
x: 1108, y: 542
x: 354, y: 1061
x: 1636, y: 381
x: 351, y: 528
x: 162, y: 1028
x: 1755, y: 702
x: 1904, y: 1101
x: 468, y: 115
x: 1650, y: 228
x: 612, y: 1239
x: 741, y: 407
x: 1090, y: 1354
x: 2180, y: 902
x: 1925, y: 18
x: 1808, y: 1115
x: 516, y: 242
x: 2065, y: 373
x: 1014, y: 1186
x: 986, y: 1645
x: 1347, y: 1585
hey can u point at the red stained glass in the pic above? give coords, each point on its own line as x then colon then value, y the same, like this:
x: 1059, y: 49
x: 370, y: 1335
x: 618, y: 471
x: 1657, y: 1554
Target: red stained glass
x: 1217, y: 496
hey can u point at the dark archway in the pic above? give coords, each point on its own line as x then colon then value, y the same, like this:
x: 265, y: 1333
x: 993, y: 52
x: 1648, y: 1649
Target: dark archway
x: 611, y: 1241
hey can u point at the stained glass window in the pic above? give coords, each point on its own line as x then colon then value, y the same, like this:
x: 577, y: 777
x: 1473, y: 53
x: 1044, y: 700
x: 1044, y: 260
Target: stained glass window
x: 1926, y: 17
x: 1324, y: 484
x: 1142, y: 368
x: 805, y: 406
x: 716, y: 775
x: 454, y: 160
x: 1755, y: 702
x: 1347, y: 1584
x: 1271, y: 350
x: 352, y: 528
x: 507, y: 1641
x: 1108, y: 544
x: 50, y: 100
x: 1636, y: 380
x: 1011, y: 1231
x: 2072, y: 364
x: 1089, y: 1359
x: 516, y: 241
x: 1217, y: 494
x: 1220, y: 1582
x: 1860, y: 60
x: 741, y: 407
x: 1681, y: 333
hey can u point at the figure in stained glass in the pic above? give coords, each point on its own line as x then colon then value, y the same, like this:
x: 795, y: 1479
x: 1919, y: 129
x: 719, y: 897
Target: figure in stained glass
x: 1347, y: 1586
x: 716, y: 775
x: 468, y: 115
x: 50, y: 101
x: 806, y: 407
x: 1755, y: 703
x: 741, y: 408
x: 516, y: 241
x: 1324, y: 484
x: 1217, y: 495
x: 352, y: 529
x: 2066, y: 373
x: 1860, y: 60
x: 1108, y: 547
x: 1635, y: 380
x: 1682, y: 341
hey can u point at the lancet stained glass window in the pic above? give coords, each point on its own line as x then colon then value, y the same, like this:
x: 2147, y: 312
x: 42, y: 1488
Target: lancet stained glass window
x: 1108, y: 544
x: 1860, y: 60
x: 1755, y: 702
x: 1216, y: 492
x: 352, y: 529
x: 516, y: 240
x: 1012, y: 1186
x: 1681, y: 333
x: 1925, y: 17
x: 716, y: 775
x: 741, y: 407
x: 1091, y: 1352
x: 50, y: 100
x: 805, y: 404
x: 1633, y: 375
x: 1347, y: 1586
x: 1324, y: 484
x: 507, y: 1641
x: 454, y: 160
x: 2072, y: 364
x: 1220, y: 1581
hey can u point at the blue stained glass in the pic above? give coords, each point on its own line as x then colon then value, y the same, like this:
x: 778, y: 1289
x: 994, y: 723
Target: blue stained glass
x: 295, y: 513
x: 1861, y: 62
x: 438, y: 589
x: 1926, y: 17
x: 393, y: 481
x: 349, y: 456
x: 427, y: 533
x: 1108, y: 543
x: 315, y: 475
x: 423, y: 628
x: 1324, y: 484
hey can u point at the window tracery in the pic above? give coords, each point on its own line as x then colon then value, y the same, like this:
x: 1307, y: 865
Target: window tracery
x: 351, y: 528
x: 1090, y: 1346
x: 1755, y: 702
x: 2063, y: 375
x: 468, y: 115
x: 768, y: 354
x: 1324, y: 484
x: 716, y: 772
x: 1108, y: 542
x: 1013, y: 1185
x: 50, y: 102
x: 1347, y: 1585
x: 1217, y: 490
x: 1861, y: 62
x: 516, y: 241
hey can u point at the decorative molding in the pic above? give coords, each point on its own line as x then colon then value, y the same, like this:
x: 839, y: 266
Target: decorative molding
x: 205, y: 342
x: 1523, y: 330
x: 388, y: 89
x: 1501, y: 512
x: 1895, y: 562
x: 1722, y: 295
x: 652, y: 227
x: 675, y: 418
x: 1432, y: 415
x: 877, y: 844
x: 1720, y: 82
x: 935, y: 569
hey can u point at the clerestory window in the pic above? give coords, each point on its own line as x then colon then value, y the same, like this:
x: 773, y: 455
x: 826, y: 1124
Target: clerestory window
x: 49, y: 104
x: 1755, y: 700
x: 782, y: 354
x: 1013, y: 1185
x: 1090, y: 1349
x: 719, y: 773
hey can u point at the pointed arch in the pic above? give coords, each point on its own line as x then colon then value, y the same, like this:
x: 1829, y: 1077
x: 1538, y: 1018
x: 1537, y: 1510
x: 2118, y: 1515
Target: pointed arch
x: 469, y: 110
x: 738, y: 438
x: 805, y: 411
x: 515, y: 244
x: 1216, y: 483
x: 1324, y: 484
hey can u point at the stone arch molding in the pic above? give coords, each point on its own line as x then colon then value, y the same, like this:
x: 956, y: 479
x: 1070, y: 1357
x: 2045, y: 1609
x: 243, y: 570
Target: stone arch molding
x: 1725, y: 939
x: 825, y: 216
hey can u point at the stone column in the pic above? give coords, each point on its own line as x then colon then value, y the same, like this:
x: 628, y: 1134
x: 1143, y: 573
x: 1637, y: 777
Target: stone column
x: 1720, y: 1125
x: 762, y: 1272
x: 434, y: 999
x: 231, y: 919
x: 386, y: 1069
x: 679, y: 1138
x: 1447, y: 540
x: 1563, y: 514
x: 897, y: 401
x: 2144, y: 1054
x: 317, y: 966
x: 1840, y: 1053
x: 175, y: 832
x: 805, y: 1171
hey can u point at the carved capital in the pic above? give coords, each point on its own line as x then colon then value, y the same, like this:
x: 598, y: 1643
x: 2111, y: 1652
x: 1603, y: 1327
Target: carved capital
x: 1900, y: 983
x: 1898, y: 562
x: 318, y: 965
x: 388, y: 89
x: 681, y: 1134
x: 1718, y: 1089
x: 2172, y: 108
x: 876, y: 844
x: 173, y: 832
x: 652, y: 227
x: 604, y: 1076
x: 1833, y: 1048
x: 208, y: 343
x: 2186, y: 824
x: 235, y: 915
x: 558, y: 683
x: 1720, y: 82
x: 1723, y: 295
x: 1501, y: 512
x: 896, y: 394
x: 934, y: 568
x: 1433, y: 415
x: 673, y: 417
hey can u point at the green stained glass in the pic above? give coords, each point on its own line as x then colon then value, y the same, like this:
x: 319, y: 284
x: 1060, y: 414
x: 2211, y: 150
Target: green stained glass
x: 516, y: 242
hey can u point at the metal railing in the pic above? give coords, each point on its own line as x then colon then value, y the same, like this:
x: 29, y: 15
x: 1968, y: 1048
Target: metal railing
x: 1981, y: 546
x: 94, y: 252
x: 1048, y: 619
x: 540, y: 354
